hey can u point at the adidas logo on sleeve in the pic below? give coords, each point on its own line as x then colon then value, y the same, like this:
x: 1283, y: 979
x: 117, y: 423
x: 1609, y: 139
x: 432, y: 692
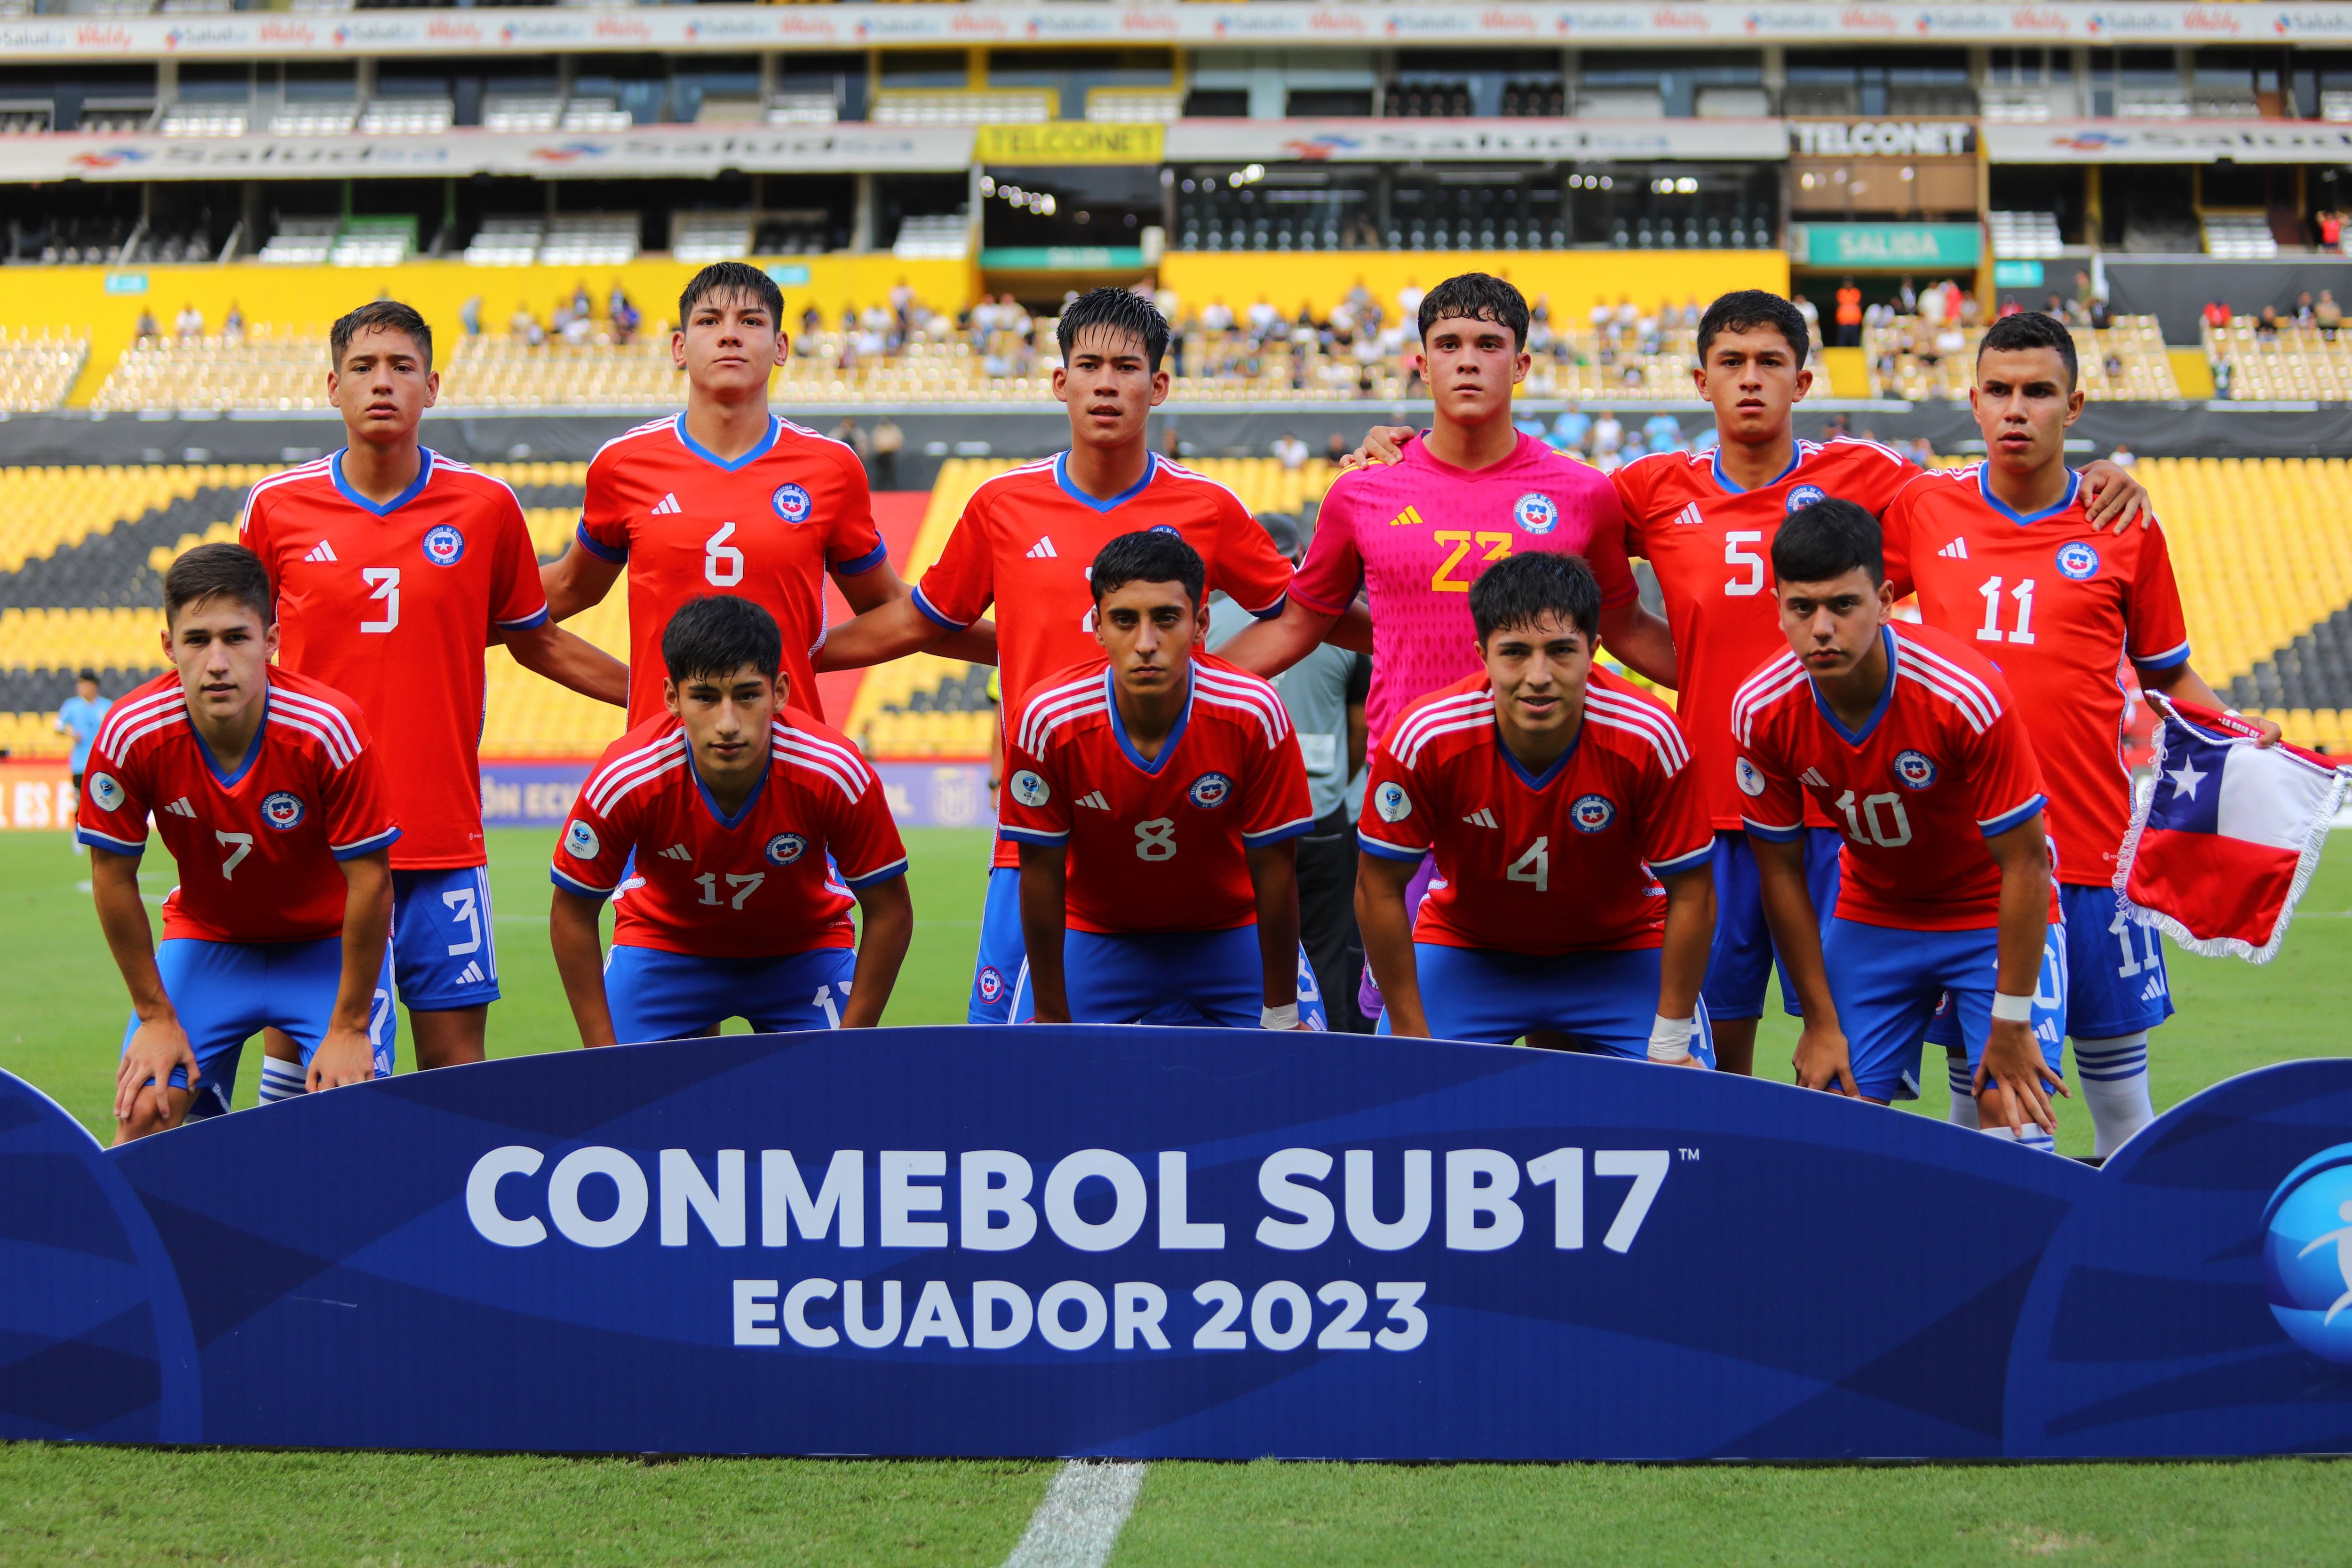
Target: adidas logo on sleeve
x: 678, y: 852
x: 1043, y: 550
x: 1482, y: 817
x: 1958, y: 549
x: 666, y: 507
x: 1095, y: 800
x: 181, y: 807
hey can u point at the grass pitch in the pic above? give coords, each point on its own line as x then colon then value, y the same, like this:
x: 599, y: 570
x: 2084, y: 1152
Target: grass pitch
x: 61, y: 1013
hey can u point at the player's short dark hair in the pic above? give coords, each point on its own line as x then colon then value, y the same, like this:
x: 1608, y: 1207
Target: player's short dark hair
x: 2034, y: 330
x: 380, y: 315
x: 1748, y: 309
x: 718, y: 634
x: 722, y: 278
x: 88, y: 674
x: 218, y: 571
x: 1827, y: 539
x: 1150, y: 557
x: 1479, y: 297
x: 1520, y: 590
x: 1122, y: 313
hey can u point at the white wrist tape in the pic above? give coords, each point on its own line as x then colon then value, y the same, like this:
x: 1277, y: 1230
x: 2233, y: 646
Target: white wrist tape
x: 2007, y: 1009
x: 1282, y: 1017
x: 1670, y: 1038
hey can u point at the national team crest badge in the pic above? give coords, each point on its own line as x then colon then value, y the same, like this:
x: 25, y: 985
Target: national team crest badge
x: 792, y: 504
x: 444, y: 545
x: 580, y: 840
x: 1913, y: 770
x: 1210, y: 791
x: 1535, y: 513
x: 1804, y: 496
x: 1592, y: 813
x: 786, y: 847
x: 991, y: 983
x: 282, y: 810
x: 1751, y: 777
x: 106, y: 792
x: 2078, y: 561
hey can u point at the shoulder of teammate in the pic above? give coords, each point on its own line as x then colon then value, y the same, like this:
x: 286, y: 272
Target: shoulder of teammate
x: 1233, y: 695
x: 860, y: 832
x: 330, y: 730
x: 601, y: 829
x: 853, y: 544
x: 1651, y: 489
x: 961, y: 583
x: 1854, y: 469
x: 1973, y: 710
x: 334, y: 719
x: 1440, y: 725
x: 804, y: 745
x: 1327, y: 576
x: 146, y: 710
x: 1631, y: 718
x: 1244, y: 564
x: 268, y: 492
x: 606, y: 500
x: 1405, y: 787
x: 636, y: 444
x: 1043, y: 716
x: 1768, y: 690
x: 122, y: 751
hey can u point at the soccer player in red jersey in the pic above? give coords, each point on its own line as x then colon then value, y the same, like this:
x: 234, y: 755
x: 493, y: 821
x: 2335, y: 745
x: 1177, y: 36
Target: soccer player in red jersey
x: 727, y: 498
x: 1706, y: 522
x: 1024, y: 541
x: 1155, y: 796
x: 2004, y: 557
x: 1911, y: 742
x: 1558, y: 799
x: 395, y: 569
x: 731, y: 803
x: 266, y: 791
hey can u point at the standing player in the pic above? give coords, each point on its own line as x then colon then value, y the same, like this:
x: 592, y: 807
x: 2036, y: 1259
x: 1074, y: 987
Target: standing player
x: 731, y: 803
x: 1556, y: 799
x: 727, y: 498
x: 1910, y: 741
x: 266, y: 791
x: 395, y: 569
x: 1706, y: 522
x: 1155, y: 796
x: 80, y: 716
x: 1023, y: 543
x: 2003, y: 558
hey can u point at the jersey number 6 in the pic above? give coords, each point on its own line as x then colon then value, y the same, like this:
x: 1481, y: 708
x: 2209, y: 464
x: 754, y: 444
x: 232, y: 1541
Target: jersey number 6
x: 722, y: 564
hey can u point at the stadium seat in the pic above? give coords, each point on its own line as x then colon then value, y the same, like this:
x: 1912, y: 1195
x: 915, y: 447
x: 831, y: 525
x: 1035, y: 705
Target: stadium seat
x: 1906, y: 363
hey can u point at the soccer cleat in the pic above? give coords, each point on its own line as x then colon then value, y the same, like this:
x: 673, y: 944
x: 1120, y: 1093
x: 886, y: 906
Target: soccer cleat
x: 1043, y: 550
x: 323, y: 550
x: 666, y: 507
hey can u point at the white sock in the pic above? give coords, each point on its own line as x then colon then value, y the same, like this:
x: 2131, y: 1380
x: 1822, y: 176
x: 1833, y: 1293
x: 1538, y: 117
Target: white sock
x: 1964, y: 1094
x: 282, y: 1080
x: 2033, y: 1137
x: 2113, y: 1076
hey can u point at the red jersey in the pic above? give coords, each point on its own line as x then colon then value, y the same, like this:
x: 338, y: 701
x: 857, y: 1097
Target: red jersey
x: 768, y: 526
x: 1711, y: 545
x: 754, y: 885
x: 1028, y: 538
x: 1565, y: 862
x: 2062, y: 610
x: 256, y: 843
x: 1415, y: 532
x: 1158, y: 845
x: 1942, y: 765
x: 393, y: 605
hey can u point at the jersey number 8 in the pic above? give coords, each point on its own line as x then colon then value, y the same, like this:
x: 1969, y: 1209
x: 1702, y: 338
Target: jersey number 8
x: 1156, y: 839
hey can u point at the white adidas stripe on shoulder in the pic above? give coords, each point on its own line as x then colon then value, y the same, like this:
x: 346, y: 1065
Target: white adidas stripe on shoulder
x: 1234, y: 689
x: 115, y: 734
x: 327, y: 720
x: 315, y: 469
x: 1408, y: 752
x: 625, y: 772
x: 1442, y: 711
x: 1045, y: 710
x: 634, y: 432
x: 1178, y: 470
x: 1949, y: 680
x: 1881, y: 448
x: 1767, y: 686
x: 303, y: 723
x: 1644, y: 718
x: 830, y: 758
x: 784, y: 425
x: 1042, y: 466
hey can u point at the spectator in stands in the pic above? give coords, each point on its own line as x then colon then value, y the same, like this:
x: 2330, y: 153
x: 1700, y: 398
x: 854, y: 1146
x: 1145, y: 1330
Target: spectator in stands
x: 2113, y: 365
x: 1906, y: 298
x: 1572, y: 430
x: 2122, y: 457
x: 2331, y: 230
x: 850, y: 436
x: 1602, y: 317
x: 469, y: 316
x: 889, y: 442
x: 583, y: 303
x: 1408, y: 299
x: 2266, y: 325
x: 524, y: 328
x: 1972, y: 313
x: 1172, y: 445
x: 1812, y: 315
x: 622, y: 315
x: 2059, y: 309
x: 1324, y: 694
x: 2304, y: 316
x: 579, y: 329
x: 1608, y: 435
x: 1849, y: 314
x: 2329, y: 314
x: 1336, y: 452
x: 1217, y: 317
x: 2010, y: 306
x: 233, y: 324
x: 190, y: 324
x: 146, y: 331
x: 2216, y: 314
x: 1290, y: 452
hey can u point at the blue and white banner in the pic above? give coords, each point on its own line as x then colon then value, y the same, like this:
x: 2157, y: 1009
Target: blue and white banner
x: 921, y: 795
x: 1165, y: 1243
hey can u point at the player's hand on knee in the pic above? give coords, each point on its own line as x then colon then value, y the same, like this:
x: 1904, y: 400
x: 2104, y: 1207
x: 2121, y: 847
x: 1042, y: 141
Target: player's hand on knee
x: 2014, y: 1064
x: 158, y: 1047
x: 343, y: 1057
x: 1382, y: 444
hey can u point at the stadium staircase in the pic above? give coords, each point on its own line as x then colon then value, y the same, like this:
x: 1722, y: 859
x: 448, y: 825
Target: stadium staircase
x: 2262, y: 552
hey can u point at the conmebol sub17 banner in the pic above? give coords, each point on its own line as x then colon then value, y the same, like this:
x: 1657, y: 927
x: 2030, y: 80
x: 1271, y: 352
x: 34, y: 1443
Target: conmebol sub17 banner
x: 1159, y: 1242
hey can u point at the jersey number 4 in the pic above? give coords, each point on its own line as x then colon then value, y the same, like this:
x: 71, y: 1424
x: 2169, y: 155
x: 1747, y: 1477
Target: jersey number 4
x: 1535, y: 866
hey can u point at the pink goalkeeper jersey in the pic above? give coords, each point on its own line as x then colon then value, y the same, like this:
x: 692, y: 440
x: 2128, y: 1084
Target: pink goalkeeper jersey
x: 1416, y: 532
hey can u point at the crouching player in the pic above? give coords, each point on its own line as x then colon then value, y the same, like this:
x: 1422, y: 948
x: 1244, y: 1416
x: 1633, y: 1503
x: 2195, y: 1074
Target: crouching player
x: 1155, y: 796
x: 267, y: 796
x: 1574, y: 890
x: 733, y: 804
x: 1908, y: 738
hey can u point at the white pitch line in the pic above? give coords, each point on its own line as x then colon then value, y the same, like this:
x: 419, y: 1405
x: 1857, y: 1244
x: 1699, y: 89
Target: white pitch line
x: 1078, y: 1522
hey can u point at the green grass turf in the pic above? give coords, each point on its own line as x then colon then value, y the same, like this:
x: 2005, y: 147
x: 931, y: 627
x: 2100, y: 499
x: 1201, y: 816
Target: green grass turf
x: 61, y: 1011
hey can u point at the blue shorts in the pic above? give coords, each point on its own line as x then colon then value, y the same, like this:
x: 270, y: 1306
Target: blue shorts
x: 656, y: 994
x: 1743, y: 953
x: 1179, y: 978
x: 1605, y: 1000
x: 1887, y: 984
x: 445, y: 946
x: 2115, y: 979
x: 228, y: 992
x: 1003, y: 950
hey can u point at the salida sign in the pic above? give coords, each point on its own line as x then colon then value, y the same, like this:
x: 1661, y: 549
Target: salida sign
x: 1165, y: 1243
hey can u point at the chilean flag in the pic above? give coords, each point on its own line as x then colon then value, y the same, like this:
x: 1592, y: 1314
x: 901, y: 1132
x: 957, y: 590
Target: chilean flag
x: 2223, y: 845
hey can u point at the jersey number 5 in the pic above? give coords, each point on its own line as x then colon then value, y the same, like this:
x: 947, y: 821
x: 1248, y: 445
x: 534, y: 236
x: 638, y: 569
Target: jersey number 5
x: 1753, y: 564
x: 1497, y: 546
